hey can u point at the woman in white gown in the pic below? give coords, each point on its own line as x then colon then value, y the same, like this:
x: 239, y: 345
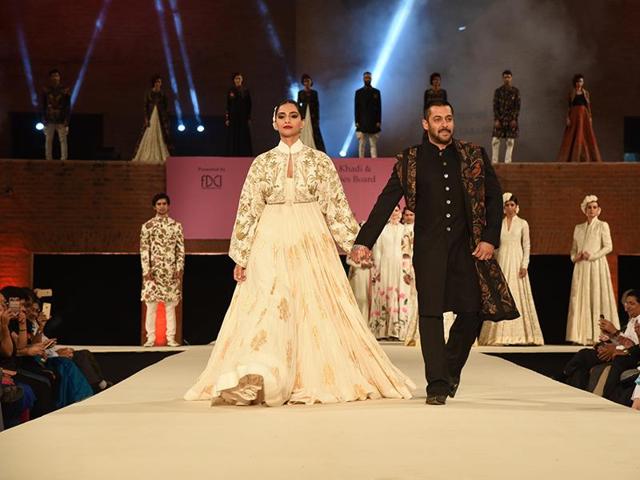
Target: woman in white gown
x: 591, y: 288
x: 153, y: 144
x: 513, y: 257
x: 386, y: 320
x: 293, y: 332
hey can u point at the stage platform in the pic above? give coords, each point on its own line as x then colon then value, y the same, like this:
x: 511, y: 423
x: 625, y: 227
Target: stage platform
x: 506, y: 422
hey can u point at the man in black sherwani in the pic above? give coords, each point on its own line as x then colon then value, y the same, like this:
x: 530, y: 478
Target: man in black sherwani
x: 368, y: 116
x: 455, y: 194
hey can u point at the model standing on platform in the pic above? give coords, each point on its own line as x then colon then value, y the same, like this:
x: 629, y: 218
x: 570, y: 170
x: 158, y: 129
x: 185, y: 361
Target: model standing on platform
x: 310, y: 108
x: 591, y: 288
x: 385, y: 319
x: 455, y: 194
x: 368, y: 116
x: 162, y: 258
x: 506, y: 108
x: 579, y: 142
x: 293, y: 332
x: 237, y: 119
x: 435, y: 93
x: 513, y: 258
x: 56, y: 111
x: 153, y: 146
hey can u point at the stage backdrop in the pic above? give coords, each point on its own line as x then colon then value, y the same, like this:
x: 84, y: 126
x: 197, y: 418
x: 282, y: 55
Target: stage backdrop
x: 205, y: 191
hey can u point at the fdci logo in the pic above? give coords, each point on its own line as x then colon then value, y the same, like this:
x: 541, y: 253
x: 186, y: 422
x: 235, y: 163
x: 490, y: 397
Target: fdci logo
x: 211, y: 182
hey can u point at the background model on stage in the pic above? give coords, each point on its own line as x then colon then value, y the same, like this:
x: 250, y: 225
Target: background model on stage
x: 310, y: 108
x: 408, y: 292
x: 434, y: 93
x: 619, y: 349
x: 458, y: 220
x: 506, y: 108
x: 153, y: 146
x: 237, y: 117
x: 579, y: 142
x: 591, y: 289
x: 385, y: 318
x: 56, y: 110
x: 162, y: 257
x: 293, y: 331
x: 368, y: 116
x: 513, y: 258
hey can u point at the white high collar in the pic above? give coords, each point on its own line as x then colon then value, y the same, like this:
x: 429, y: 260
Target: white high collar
x: 295, y: 148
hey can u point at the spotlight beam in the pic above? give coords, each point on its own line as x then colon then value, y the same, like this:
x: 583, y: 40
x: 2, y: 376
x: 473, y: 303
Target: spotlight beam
x: 87, y: 56
x: 169, y: 58
x: 397, y: 25
x: 177, y: 21
x: 26, y: 64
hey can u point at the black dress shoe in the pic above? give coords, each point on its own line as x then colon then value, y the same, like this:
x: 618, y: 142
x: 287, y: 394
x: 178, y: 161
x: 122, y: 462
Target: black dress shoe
x: 454, y: 388
x: 436, y: 399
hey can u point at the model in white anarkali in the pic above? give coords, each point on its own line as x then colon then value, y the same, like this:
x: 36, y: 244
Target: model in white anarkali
x: 152, y: 148
x: 293, y: 332
x: 591, y: 288
x: 513, y: 256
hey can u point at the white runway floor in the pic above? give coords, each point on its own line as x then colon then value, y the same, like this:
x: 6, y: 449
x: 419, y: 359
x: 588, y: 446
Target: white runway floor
x: 506, y: 422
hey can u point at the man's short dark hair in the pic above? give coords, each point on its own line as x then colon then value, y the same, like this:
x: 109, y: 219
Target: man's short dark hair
x: 434, y: 75
x: 160, y: 196
x: 632, y: 293
x: 507, y: 72
x: 54, y: 71
x: 155, y: 78
x: 436, y: 104
x: 366, y: 73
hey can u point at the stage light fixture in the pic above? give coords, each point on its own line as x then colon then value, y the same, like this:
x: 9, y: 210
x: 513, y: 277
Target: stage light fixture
x: 87, y: 56
x: 200, y: 128
x: 39, y: 126
x: 397, y: 25
x: 169, y: 58
x: 177, y: 21
x: 462, y: 28
x: 181, y: 127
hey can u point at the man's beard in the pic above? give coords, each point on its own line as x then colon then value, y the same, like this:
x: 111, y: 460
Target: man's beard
x: 436, y: 135
x: 367, y: 84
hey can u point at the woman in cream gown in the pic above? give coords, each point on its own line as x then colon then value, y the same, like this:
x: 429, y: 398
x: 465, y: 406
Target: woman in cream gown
x: 153, y: 144
x: 513, y: 257
x: 293, y: 332
x: 591, y: 288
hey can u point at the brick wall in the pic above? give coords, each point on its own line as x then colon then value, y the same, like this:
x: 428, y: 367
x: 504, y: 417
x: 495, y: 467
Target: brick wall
x: 99, y: 207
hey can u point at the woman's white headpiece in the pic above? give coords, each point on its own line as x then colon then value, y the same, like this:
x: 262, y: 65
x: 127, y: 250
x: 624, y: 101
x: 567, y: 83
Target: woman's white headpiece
x: 587, y: 200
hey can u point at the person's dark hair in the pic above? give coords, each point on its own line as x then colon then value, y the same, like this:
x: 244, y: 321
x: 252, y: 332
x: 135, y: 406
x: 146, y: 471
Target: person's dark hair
x: 507, y: 72
x: 577, y: 77
x: 632, y: 293
x: 436, y: 104
x: 17, y: 292
x: 160, y: 196
x: 433, y: 76
x: 284, y: 102
x: 54, y: 71
x: 513, y: 199
x: 236, y: 74
x: 407, y: 209
x: 155, y: 78
x: 366, y: 73
x: 306, y: 76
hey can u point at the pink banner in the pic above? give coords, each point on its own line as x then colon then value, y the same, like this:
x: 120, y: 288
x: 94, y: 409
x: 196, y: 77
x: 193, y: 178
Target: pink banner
x: 204, y: 191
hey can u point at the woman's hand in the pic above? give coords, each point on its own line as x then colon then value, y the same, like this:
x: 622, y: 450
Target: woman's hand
x: 239, y: 273
x: 523, y: 272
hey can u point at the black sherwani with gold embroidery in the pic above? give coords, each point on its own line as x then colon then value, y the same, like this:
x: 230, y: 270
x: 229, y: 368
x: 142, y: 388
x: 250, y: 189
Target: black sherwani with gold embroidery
x: 457, y: 200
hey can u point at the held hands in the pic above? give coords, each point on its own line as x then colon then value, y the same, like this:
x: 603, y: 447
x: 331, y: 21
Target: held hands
x: 360, y: 253
x: 239, y: 274
x: 522, y: 273
x: 484, y: 251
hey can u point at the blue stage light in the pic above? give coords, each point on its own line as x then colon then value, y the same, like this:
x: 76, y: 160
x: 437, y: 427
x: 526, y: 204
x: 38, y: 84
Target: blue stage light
x: 87, y: 56
x: 397, y: 24
x: 39, y: 126
x: 200, y: 128
x: 181, y: 127
x: 169, y: 58
x: 26, y: 63
x: 177, y: 21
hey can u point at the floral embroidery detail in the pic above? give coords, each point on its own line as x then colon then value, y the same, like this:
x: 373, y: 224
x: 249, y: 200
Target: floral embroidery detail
x: 283, y: 308
x: 259, y: 340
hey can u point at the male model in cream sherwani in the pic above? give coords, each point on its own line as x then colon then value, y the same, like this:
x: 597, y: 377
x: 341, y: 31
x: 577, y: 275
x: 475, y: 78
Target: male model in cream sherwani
x: 162, y: 257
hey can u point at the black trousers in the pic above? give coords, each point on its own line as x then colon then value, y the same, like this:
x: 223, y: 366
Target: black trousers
x: 577, y: 370
x: 444, y: 362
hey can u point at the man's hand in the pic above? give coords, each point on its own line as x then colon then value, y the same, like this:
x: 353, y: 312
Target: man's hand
x: 497, y: 123
x: 579, y: 257
x: 360, y: 253
x: 607, y: 352
x: 35, y: 349
x: 522, y: 273
x: 239, y: 273
x: 513, y: 124
x: 607, y: 327
x: 586, y: 255
x: 484, y: 251
x: 149, y: 277
x: 65, y: 352
x: 636, y: 327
